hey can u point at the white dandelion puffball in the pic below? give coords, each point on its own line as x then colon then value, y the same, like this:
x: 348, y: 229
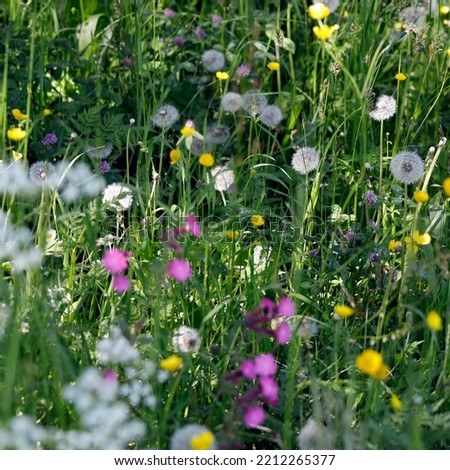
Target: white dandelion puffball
x: 385, y: 108
x: 223, y: 178
x: 186, y: 340
x: 254, y: 102
x: 166, y: 116
x: 407, y: 167
x: 117, y: 196
x: 305, y: 160
x: 213, y: 60
x: 232, y: 102
x: 271, y: 116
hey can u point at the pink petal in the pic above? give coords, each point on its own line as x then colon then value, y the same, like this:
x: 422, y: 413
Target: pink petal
x: 254, y: 416
x: 265, y: 365
x: 121, y: 283
x: 286, y: 307
x: 115, y: 261
x: 248, y: 369
x: 179, y: 269
x: 283, y: 333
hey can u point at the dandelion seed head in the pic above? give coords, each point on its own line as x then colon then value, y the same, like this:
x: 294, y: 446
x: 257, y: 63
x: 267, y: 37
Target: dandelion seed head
x: 407, y: 167
x: 305, y: 160
x: 217, y: 134
x: 166, y: 116
x: 232, y: 102
x: 186, y: 340
x: 43, y: 174
x: 271, y: 116
x: 100, y: 152
x: 385, y: 108
x: 254, y: 102
x: 223, y: 178
x: 213, y: 60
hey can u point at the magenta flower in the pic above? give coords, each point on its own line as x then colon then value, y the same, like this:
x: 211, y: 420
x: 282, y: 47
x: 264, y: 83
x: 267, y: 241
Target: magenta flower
x: 265, y: 365
x: 286, y: 307
x: 254, y: 416
x: 126, y: 62
x: 243, y: 71
x: 109, y: 375
x: 269, y: 389
x: 50, y: 139
x: 169, y: 13
x: 216, y: 19
x: 115, y: 261
x: 121, y: 283
x: 200, y: 32
x: 179, y: 269
x: 193, y: 226
x: 178, y: 40
x: 283, y: 333
x: 248, y: 369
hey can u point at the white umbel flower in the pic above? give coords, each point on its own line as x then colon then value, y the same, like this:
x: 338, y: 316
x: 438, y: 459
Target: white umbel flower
x: 385, y: 108
x: 407, y: 167
x: 305, y: 160
x: 117, y: 196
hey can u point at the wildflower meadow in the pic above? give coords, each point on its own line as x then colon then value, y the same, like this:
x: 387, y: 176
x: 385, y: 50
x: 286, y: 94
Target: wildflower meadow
x: 224, y: 225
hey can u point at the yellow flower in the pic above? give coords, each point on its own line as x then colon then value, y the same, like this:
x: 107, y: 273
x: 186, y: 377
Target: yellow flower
x: 232, y: 234
x: 318, y: 11
x: 324, y: 31
x: 394, y: 246
x: 421, y: 239
x: 396, y: 403
x: 434, y: 321
x: 188, y: 131
x: 446, y: 185
x: 206, y: 159
x: 273, y: 66
x: 421, y: 196
x: 448, y: 52
x: 222, y: 75
x: 203, y: 441
x: 444, y: 9
x: 370, y: 362
x: 400, y: 76
x: 398, y: 25
x: 257, y: 220
x: 171, y: 363
x: 17, y: 113
x: 174, y: 156
x: 47, y: 112
x: 16, y: 133
x: 17, y: 155
x: 344, y: 311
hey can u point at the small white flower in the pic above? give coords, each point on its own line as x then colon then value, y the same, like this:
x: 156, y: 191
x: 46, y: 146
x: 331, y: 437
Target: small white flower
x: 117, y: 196
x: 223, y: 178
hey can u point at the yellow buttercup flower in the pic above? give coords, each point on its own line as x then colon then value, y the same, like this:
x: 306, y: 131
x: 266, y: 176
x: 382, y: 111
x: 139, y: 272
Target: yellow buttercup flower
x: 232, y: 234
x: 444, y: 9
x: 17, y: 155
x: 394, y: 246
x: 446, y: 185
x: 174, y: 156
x: 324, y: 31
x: 396, y: 403
x: 318, y: 11
x: 421, y: 196
x: 171, y: 363
x: 398, y: 25
x: 274, y: 66
x: 222, y: 75
x: 434, y: 321
x: 257, y: 220
x: 187, y: 131
x: 47, y: 112
x: 421, y: 239
x: 16, y: 133
x: 370, y: 362
x: 206, y: 159
x: 400, y: 76
x: 17, y: 113
x: 344, y: 311
x: 203, y: 441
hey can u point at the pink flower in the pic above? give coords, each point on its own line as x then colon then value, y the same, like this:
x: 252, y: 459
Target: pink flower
x: 254, y: 416
x: 193, y: 226
x: 243, y: 71
x: 178, y: 40
x: 269, y: 389
x: 248, y: 369
x: 121, y: 283
x: 216, y: 19
x: 109, y: 375
x: 283, y: 333
x: 179, y: 269
x: 286, y: 307
x: 115, y: 261
x: 169, y: 13
x: 265, y: 365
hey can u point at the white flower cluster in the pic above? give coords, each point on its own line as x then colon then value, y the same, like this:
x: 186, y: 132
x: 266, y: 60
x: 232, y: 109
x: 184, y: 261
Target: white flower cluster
x: 116, y: 349
x: 117, y: 196
x: 22, y: 433
x: 17, y: 245
x: 105, y: 419
x: 223, y: 178
x: 72, y: 181
x: 186, y: 340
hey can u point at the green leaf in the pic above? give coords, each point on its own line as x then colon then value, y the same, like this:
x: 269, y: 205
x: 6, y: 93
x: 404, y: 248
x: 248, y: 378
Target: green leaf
x: 289, y: 45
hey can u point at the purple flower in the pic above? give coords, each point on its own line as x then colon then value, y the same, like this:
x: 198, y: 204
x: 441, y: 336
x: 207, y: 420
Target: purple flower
x: 169, y: 13
x: 115, y: 261
x: 104, y: 167
x: 49, y: 139
x: 371, y: 197
x: 374, y: 258
x: 178, y: 40
x: 243, y: 71
x: 286, y: 307
x: 121, y: 283
x: 200, y: 32
x: 313, y: 253
x: 265, y: 365
x: 248, y: 369
x: 254, y: 416
x: 126, y: 62
x: 269, y: 389
x: 373, y: 224
x: 283, y: 333
x: 216, y: 19
x: 192, y: 226
x: 349, y: 235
